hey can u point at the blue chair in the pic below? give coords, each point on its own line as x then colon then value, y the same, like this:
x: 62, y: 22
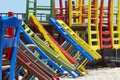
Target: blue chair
x: 6, y: 42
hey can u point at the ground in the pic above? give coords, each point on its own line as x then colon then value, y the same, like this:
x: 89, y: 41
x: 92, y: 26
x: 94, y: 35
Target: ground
x: 99, y: 74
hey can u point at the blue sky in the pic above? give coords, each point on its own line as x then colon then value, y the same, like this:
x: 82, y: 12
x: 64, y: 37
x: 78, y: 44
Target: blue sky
x: 20, y: 5
x: 12, y: 5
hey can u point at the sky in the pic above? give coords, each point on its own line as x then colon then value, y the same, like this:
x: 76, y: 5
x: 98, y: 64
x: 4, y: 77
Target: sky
x: 12, y: 5
x: 19, y: 6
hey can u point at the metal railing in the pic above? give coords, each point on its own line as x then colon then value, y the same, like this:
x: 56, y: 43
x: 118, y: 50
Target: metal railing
x: 18, y: 15
x: 42, y: 17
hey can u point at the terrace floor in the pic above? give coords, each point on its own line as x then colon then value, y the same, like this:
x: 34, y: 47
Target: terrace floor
x: 99, y: 74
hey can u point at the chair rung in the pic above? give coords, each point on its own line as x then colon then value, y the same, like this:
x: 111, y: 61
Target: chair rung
x: 94, y: 32
x: 116, y: 39
x: 94, y: 18
x: 107, y: 46
x: 31, y: 1
x: 94, y: 9
x: 94, y: 39
x: 105, y: 16
x: 92, y: 24
x: 116, y: 32
x: 45, y: 60
x: 105, y: 25
x: 106, y: 39
x: 106, y: 32
x: 84, y: 5
x: 75, y: 12
x: 105, y: 8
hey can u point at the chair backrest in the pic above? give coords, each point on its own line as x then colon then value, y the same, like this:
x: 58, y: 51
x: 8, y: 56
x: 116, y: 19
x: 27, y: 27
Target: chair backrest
x: 6, y: 41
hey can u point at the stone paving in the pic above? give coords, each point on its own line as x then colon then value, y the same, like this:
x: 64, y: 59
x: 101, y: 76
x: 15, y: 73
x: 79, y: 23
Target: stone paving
x: 99, y: 74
